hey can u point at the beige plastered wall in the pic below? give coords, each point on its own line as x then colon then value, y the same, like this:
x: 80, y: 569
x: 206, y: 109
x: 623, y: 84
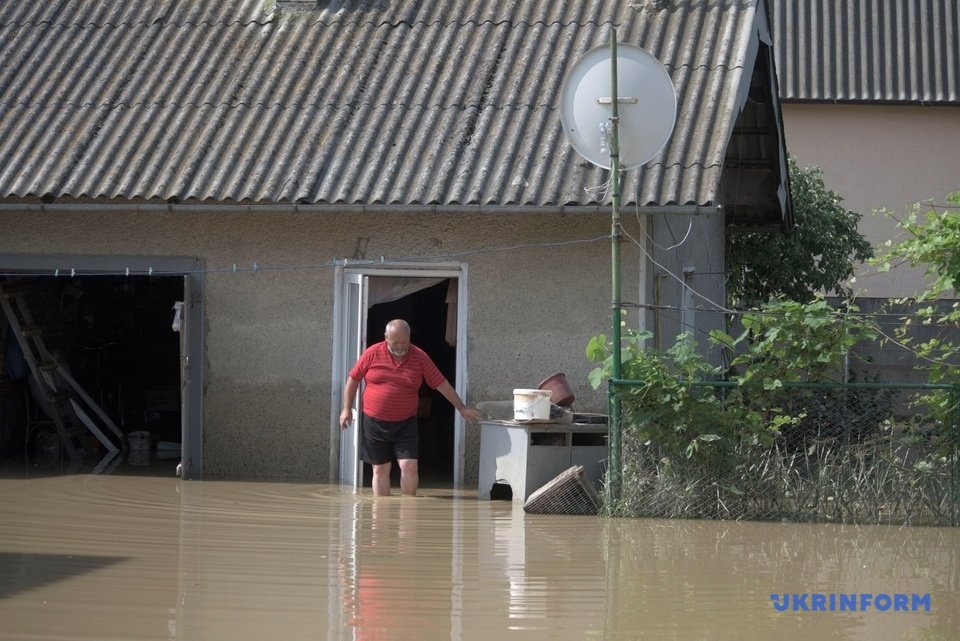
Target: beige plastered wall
x: 879, y: 157
x: 268, y: 335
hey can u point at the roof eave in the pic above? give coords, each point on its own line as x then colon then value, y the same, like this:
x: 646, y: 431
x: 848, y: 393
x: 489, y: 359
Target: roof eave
x: 334, y: 208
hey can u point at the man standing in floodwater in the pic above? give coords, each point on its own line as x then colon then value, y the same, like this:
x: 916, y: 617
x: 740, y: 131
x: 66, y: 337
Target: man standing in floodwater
x: 394, y: 370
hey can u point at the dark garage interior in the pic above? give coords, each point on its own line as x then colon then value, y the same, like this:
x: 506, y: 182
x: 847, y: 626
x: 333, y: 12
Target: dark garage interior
x: 114, y: 335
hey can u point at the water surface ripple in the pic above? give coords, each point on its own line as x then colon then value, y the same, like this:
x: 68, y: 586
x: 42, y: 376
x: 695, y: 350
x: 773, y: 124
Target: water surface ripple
x: 127, y: 557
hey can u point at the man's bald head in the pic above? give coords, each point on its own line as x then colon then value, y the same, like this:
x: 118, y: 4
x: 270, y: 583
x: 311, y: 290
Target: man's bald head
x: 397, y: 336
x: 398, y: 325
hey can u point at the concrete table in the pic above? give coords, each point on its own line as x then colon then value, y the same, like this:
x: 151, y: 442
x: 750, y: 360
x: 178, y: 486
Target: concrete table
x: 527, y: 456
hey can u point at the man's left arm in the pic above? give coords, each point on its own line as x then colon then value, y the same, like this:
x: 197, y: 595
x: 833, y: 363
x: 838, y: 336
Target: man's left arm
x: 451, y: 395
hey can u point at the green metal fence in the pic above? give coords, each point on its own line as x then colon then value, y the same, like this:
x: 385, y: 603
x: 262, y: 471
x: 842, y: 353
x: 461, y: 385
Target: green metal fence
x: 856, y: 453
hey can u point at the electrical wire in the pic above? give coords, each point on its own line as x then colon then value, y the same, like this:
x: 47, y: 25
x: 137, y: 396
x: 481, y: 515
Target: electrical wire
x: 911, y: 350
x: 933, y: 205
x: 256, y: 267
x: 878, y: 272
x: 670, y: 273
x: 724, y: 309
x: 865, y: 318
x: 873, y: 325
x: 733, y: 347
x: 601, y: 191
x: 717, y: 307
x: 650, y: 236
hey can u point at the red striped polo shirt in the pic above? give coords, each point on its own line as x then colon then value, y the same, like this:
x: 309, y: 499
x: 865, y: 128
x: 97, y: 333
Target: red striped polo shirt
x: 392, y: 385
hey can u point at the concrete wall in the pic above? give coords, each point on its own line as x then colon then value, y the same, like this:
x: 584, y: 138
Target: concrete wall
x: 688, y: 285
x: 684, y: 288
x: 268, y: 335
x: 879, y: 157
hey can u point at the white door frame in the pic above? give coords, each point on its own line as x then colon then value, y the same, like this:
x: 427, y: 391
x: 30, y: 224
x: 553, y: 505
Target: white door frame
x: 339, y: 371
x: 356, y: 299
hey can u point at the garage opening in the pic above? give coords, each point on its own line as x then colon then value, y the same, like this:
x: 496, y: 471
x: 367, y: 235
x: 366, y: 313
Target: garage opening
x: 114, y: 336
x: 434, y: 330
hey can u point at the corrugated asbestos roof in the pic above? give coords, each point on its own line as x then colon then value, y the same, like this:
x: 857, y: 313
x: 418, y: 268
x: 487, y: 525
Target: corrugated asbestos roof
x: 868, y: 50
x: 377, y: 102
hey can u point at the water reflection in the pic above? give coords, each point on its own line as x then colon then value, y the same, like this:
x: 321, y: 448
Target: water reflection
x: 154, y: 558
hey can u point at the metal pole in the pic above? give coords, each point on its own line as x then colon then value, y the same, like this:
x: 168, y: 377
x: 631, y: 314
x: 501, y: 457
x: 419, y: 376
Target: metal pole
x: 955, y: 452
x: 614, y: 466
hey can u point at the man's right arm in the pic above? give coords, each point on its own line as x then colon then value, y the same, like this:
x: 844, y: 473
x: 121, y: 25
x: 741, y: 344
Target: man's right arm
x: 349, y: 396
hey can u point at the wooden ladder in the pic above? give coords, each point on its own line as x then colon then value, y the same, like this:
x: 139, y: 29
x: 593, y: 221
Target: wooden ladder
x: 68, y: 405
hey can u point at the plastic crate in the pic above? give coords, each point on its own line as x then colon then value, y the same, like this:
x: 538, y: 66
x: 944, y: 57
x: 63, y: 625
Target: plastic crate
x: 568, y: 493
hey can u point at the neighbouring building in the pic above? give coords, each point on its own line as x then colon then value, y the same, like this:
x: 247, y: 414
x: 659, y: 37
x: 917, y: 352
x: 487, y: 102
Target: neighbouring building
x: 871, y: 94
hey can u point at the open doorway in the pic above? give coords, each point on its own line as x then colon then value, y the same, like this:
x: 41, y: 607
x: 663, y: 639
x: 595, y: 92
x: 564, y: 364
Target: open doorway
x: 113, y: 335
x: 432, y: 298
x: 433, y: 326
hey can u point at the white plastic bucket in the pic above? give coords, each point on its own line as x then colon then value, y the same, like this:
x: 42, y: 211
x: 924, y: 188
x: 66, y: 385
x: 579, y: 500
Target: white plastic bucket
x: 531, y: 404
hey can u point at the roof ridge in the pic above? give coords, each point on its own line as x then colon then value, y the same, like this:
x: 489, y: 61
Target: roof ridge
x: 284, y: 106
x: 137, y: 23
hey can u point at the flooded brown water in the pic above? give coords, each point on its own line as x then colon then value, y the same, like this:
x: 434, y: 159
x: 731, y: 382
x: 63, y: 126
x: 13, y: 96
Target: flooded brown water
x: 122, y: 557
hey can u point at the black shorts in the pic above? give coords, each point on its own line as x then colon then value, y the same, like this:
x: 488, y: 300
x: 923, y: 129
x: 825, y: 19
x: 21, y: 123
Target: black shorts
x: 381, y: 441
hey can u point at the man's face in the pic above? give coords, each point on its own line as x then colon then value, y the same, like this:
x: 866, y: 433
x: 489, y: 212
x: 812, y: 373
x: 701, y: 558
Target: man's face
x: 398, y: 343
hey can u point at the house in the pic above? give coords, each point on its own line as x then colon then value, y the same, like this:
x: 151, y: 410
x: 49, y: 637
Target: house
x: 299, y: 172
x: 871, y: 94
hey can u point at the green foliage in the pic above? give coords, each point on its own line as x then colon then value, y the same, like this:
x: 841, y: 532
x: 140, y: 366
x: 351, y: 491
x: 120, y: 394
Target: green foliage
x: 783, y: 342
x: 669, y: 408
x: 787, y: 341
x: 820, y: 255
x: 934, y: 242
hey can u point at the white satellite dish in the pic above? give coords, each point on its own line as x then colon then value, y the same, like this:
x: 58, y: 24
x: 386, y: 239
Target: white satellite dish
x: 647, y: 103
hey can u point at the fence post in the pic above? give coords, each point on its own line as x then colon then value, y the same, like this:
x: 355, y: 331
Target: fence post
x: 955, y: 454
